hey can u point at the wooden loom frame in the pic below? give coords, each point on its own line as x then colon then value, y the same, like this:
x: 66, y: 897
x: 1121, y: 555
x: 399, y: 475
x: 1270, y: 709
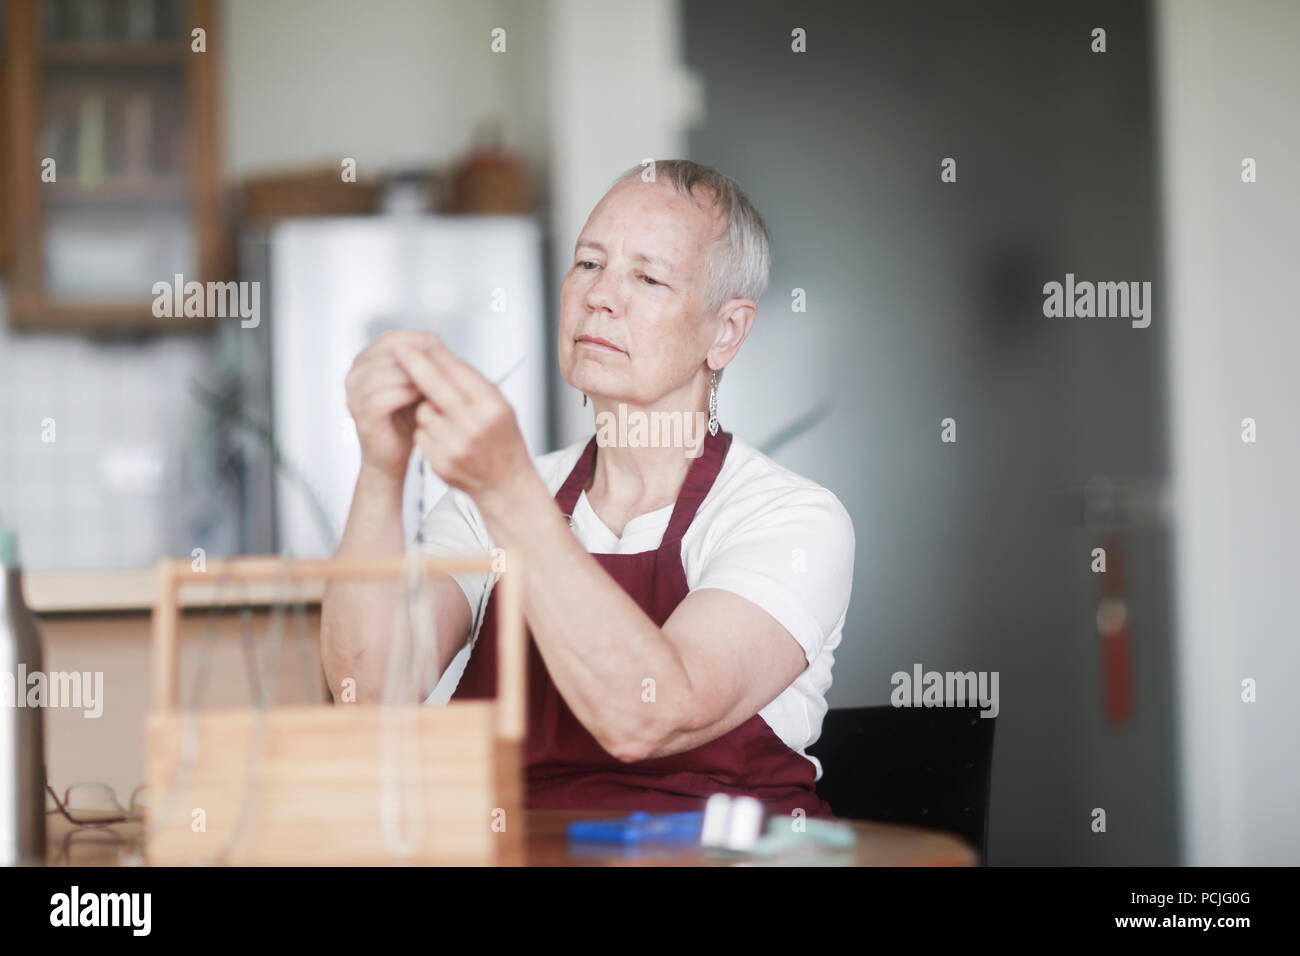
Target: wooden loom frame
x: 319, y: 778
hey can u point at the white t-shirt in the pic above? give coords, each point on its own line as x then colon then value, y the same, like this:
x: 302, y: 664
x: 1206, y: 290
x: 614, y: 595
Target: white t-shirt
x: 763, y: 532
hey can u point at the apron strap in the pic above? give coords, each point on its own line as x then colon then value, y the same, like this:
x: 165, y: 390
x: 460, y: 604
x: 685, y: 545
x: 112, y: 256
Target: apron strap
x: 704, y: 470
x: 568, y: 494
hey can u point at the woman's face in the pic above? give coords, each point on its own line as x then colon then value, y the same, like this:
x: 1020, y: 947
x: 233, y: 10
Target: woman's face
x: 638, y: 281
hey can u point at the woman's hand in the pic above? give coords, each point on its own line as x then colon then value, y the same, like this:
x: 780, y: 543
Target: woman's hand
x: 464, y: 428
x: 382, y: 399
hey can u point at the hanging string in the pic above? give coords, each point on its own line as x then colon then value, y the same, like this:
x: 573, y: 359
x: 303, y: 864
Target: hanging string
x: 423, y: 466
x: 401, y: 799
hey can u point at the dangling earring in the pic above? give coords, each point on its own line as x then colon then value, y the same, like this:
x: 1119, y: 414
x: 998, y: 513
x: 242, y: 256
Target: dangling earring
x: 713, y: 404
x: 584, y: 399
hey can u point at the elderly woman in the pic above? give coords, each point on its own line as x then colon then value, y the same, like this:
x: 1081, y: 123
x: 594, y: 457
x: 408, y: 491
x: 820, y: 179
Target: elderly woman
x: 684, y: 603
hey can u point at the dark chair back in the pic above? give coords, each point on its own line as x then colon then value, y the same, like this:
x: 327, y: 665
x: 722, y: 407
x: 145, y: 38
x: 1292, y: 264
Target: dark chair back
x: 926, y: 766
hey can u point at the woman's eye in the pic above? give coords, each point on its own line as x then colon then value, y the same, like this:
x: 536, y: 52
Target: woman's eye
x: 585, y: 263
x: 651, y: 281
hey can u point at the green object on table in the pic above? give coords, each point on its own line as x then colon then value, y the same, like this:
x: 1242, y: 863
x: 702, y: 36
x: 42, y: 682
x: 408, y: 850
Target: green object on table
x: 781, y: 837
x: 8, y: 548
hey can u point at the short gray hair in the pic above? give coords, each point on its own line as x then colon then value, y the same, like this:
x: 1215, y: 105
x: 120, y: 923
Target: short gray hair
x: 738, y: 266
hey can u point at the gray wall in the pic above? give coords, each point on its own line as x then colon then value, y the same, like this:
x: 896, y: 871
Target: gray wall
x: 924, y: 301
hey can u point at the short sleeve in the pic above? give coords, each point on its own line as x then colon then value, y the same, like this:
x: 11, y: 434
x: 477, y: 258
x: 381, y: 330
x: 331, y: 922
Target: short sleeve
x: 454, y: 527
x: 793, y: 557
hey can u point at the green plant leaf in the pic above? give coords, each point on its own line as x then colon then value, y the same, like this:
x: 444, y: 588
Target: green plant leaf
x: 224, y: 412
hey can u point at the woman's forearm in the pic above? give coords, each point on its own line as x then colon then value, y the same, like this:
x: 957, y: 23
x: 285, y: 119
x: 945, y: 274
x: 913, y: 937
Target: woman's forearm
x: 356, y: 629
x: 598, y: 645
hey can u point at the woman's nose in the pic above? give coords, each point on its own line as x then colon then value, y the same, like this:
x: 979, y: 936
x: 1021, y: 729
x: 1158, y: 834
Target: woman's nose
x: 604, y: 293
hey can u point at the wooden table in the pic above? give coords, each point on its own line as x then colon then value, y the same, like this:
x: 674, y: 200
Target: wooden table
x: 878, y: 844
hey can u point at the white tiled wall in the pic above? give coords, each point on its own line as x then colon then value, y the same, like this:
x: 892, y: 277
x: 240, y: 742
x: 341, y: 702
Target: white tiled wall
x: 115, y: 488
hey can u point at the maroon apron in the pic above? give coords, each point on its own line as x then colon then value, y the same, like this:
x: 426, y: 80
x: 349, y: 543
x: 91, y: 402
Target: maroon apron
x: 564, y: 766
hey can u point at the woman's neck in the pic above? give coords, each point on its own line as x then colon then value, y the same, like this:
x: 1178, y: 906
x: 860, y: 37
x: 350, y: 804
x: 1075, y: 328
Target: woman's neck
x: 644, y: 452
x: 627, y: 477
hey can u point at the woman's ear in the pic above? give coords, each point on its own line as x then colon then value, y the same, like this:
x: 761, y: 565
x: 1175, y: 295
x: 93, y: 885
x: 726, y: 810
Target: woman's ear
x: 735, y: 319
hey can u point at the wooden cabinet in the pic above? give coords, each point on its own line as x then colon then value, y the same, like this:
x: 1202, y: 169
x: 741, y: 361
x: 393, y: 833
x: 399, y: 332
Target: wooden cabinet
x: 111, y: 179
x: 6, y: 224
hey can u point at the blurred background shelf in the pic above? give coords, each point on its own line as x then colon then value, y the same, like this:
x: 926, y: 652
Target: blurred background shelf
x: 111, y: 125
x: 96, y: 592
x: 108, y: 53
x: 117, y: 190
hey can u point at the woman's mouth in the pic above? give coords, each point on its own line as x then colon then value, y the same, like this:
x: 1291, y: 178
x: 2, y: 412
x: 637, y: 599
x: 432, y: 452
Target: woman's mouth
x: 595, y: 341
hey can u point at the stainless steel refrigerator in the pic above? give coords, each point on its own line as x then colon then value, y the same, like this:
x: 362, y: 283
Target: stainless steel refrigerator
x: 333, y: 285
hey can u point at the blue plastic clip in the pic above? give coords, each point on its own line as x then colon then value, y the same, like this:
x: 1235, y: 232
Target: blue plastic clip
x: 640, y: 828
